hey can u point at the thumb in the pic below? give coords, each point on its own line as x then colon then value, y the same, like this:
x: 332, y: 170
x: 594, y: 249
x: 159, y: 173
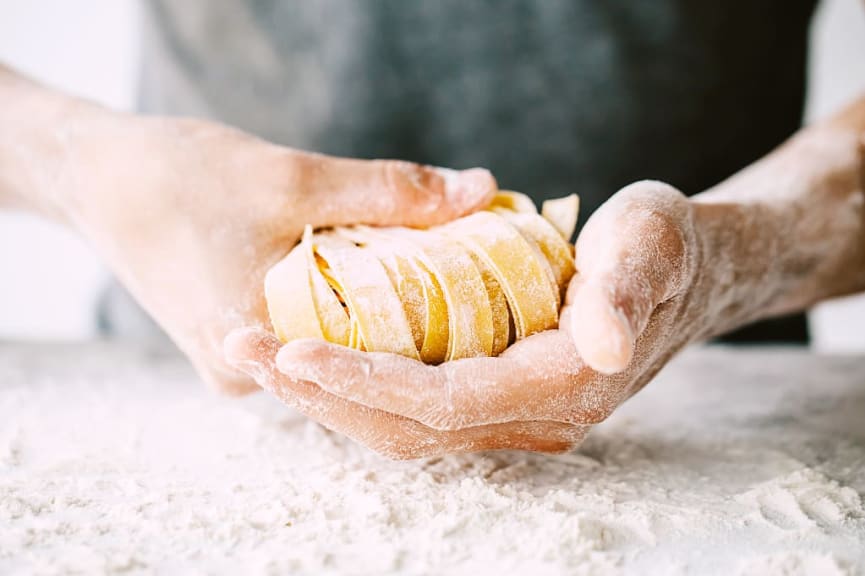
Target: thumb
x: 252, y: 351
x: 632, y: 255
x: 342, y: 191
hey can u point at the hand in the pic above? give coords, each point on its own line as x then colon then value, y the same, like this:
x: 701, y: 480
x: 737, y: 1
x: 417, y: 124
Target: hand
x: 191, y: 214
x: 634, y: 303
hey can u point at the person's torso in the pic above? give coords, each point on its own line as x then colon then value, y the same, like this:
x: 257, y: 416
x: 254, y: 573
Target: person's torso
x: 554, y: 96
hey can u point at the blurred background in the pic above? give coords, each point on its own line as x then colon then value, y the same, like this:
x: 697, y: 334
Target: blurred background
x: 51, y: 279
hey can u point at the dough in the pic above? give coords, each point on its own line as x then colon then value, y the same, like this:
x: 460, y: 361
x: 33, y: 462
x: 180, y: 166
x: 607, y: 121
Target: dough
x: 467, y: 288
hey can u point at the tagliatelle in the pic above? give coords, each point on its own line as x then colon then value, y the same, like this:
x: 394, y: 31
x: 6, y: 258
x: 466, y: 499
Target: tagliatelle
x: 519, y: 270
x: 466, y: 288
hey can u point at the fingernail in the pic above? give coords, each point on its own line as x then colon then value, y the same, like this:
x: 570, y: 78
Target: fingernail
x: 603, y: 336
x: 255, y: 370
x: 469, y: 190
x: 619, y: 342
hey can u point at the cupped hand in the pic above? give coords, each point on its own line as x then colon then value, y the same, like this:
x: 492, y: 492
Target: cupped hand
x: 637, y: 298
x: 191, y: 214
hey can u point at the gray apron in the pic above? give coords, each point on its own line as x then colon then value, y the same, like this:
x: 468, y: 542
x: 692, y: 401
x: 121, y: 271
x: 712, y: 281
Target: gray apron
x: 554, y: 96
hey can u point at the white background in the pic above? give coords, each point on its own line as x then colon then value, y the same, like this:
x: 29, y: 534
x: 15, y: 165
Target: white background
x: 49, y: 279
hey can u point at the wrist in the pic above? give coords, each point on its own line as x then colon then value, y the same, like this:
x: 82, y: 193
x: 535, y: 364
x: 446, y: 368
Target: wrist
x: 787, y: 231
x: 41, y: 128
x: 733, y: 277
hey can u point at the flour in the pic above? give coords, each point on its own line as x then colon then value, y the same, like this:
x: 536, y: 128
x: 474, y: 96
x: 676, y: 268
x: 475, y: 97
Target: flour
x: 730, y: 463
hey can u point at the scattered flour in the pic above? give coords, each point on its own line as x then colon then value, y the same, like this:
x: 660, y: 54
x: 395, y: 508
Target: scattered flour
x: 733, y: 462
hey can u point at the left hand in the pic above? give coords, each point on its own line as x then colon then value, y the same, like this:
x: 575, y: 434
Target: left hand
x: 191, y: 214
x: 633, y: 304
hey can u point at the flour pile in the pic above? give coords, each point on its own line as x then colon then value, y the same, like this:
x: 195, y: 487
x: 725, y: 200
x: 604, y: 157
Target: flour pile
x: 731, y: 463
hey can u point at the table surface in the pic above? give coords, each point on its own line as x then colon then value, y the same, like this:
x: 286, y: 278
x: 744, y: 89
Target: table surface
x: 734, y: 461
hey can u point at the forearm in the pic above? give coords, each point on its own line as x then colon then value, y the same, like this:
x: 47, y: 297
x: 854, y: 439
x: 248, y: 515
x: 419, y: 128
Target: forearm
x: 40, y: 126
x: 789, y: 230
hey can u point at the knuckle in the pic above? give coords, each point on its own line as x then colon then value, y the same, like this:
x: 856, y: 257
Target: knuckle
x: 420, y: 187
x: 399, y: 176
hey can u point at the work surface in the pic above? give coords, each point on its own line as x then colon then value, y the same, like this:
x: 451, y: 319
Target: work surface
x: 731, y: 462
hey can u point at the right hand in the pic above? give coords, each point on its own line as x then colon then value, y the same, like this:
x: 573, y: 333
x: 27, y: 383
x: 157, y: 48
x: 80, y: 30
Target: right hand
x: 641, y: 294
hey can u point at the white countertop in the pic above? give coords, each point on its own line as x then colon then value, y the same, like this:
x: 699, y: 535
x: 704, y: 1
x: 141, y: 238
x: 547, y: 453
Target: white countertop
x: 732, y: 461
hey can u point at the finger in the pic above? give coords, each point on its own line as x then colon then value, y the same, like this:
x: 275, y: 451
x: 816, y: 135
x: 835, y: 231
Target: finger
x: 341, y: 191
x: 254, y: 351
x: 632, y: 255
x: 539, y: 378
